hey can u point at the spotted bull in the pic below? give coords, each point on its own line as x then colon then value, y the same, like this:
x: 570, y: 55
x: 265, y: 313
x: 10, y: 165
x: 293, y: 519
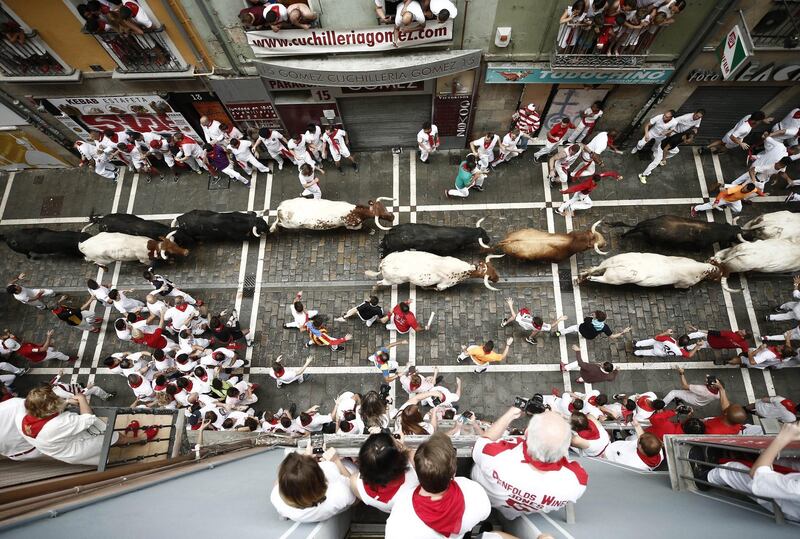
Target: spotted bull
x: 441, y: 240
x: 432, y: 271
x: 324, y: 214
x: 107, y: 247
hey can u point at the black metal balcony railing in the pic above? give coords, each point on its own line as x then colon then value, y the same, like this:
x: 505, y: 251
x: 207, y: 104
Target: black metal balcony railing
x: 146, y: 53
x: 602, y: 47
x: 28, y: 57
x: 780, y: 28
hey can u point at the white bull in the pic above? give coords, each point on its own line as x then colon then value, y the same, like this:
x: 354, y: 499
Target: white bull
x: 649, y: 269
x: 777, y: 225
x: 321, y: 214
x: 429, y: 270
x: 768, y: 256
x: 107, y: 247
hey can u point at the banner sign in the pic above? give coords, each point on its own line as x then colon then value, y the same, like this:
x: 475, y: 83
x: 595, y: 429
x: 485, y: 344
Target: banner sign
x: 404, y: 87
x: 321, y: 41
x: 451, y: 114
x: 733, y: 53
x: 517, y: 74
x: 124, y: 104
x: 172, y: 122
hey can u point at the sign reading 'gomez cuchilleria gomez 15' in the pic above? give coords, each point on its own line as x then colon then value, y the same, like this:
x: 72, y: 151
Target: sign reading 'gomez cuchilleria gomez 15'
x: 321, y: 41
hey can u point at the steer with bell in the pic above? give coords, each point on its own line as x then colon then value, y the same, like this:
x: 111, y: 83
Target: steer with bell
x: 441, y: 240
x: 432, y: 271
x: 107, y: 247
x: 321, y: 214
x: 207, y: 225
x: 536, y: 245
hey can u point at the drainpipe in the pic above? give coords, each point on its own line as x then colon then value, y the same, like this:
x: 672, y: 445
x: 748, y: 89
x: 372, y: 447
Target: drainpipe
x: 215, y: 25
x: 687, y: 56
x: 187, y: 30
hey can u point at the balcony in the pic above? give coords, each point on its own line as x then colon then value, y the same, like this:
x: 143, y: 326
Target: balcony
x: 149, y: 55
x: 779, y: 29
x: 586, y: 48
x: 29, y: 57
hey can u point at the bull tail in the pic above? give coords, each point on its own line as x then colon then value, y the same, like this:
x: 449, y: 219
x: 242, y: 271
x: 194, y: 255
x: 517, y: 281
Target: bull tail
x: 93, y: 220
x: 372, y: 274
x: 274, y: 226
x: 725, y: 286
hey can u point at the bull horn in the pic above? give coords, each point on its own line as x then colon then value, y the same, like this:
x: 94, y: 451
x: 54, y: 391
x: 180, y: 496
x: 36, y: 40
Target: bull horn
x: 255, y: 233
x: 174, y: 223
x: 483, y: 243
x: 87, y: 227
x: 595, y: 225
x: 598, y: 251
x: 489, y: 257
x: 478, y: 224
x: 171, y: 235
x: 385, y: 198
x: 379, y: 225
x: 724, y: 281
x: 163, y: 254
x: 736, y: 219
x: 487, y: 285
x: 741, y: 238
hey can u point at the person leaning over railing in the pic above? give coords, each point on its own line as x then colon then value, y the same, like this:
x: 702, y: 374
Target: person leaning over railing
x: 384, y: 466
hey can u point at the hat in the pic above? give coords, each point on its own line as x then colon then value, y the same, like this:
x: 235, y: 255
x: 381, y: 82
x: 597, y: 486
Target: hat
x: 789, y: 405
x: 532, y: 107
x: 155, y: 144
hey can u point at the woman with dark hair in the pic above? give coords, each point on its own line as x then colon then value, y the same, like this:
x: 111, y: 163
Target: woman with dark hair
x: 311, y: 491
x: 373, y: 411
x: 383, y: 467
x: 413, y: 422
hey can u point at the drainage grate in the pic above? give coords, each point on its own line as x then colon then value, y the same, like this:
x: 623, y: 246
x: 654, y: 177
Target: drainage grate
x: 38, y: 179
x: 249, y: 288
x: 565, y: 279
x: 51, y: 206
x: 220, y: 184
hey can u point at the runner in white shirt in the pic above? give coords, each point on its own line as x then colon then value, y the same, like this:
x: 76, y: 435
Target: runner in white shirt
x: 211, y: 131
x: 761, y: 174
x: 123, y: 303
x: 585, y: 124
x: 283, y: 375
x: 159, y: 148
x: 427, y: 141
x: 244, y: 157
x: 693, y: 394
x: 590, y: 156
x: 313, y: 138
x: 300, y: 315
x: 13, y: 445
x: 309, y: 182
x: 337, y: 495
x: 298, y: 147
x: 443, y: 10
x: 180, y: 315
x: 644, y: 452
x: 483, y: 149
x: 413, y: 382
x: 189, y: 152
x: 560, y: 163
x: 657, y: 129
x: 508, y: 147
x: 230, y: 132
x: 275, y: 143
x: 90, y: 152
x: 8, y: 344
x: 29, y: 296
x: 137, y: 14
x: 336, y: 140
x: 383, y: 499
x: 590, y: 438
x: 409, y: 17
x: 690, y: 120
x: 735, y: 137
x: 163, y: 361
x: 777, y: 407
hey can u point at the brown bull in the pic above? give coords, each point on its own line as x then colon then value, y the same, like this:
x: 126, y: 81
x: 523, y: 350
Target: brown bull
x: 539, y: 246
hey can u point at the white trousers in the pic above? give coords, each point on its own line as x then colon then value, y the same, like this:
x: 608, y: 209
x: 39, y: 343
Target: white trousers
x: 559, y: 171
x: 645, y: 140
x: 580, y: 132
x: 658, y: 349
x: 88, y: 319
x: 581, y: 172
x: 38, y: 303
x: 658, y: 156
x: 337, y: 155
x: 249, y: 162
x: 52, y: 353
x: 735, y: 206
x: 579, y: 201
x: 546, y: 149
x: 314, y: 191
x: 793, y: 312
x: 105, y: 169
x: 425, y: 151
x: 230, y: 172
x: 740, y: 481
x: 9, y: 371
x: 686, y: 396
x: 794, y: 335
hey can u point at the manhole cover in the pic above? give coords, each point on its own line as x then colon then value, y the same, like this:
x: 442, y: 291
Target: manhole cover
x: 38, y: 179
x: 51, y: 206
x: 249, y: 288
x: 219, y: 184
x: 565, y: 279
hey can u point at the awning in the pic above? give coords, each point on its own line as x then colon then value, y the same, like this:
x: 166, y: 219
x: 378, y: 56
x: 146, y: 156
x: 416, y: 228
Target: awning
x: 363, y: 70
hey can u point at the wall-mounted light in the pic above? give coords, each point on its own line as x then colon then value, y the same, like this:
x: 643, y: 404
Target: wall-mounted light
x: 503, y: 36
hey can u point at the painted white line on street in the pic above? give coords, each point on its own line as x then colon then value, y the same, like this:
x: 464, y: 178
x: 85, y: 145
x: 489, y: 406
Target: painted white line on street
x: 576, y: 292
x: 393, y: 333
x: 412, y: 218
x: 6, y: 193
x: 412, y: 198
x: 557, y: 526
x: 132, y: 195
x: 251, y: 200
x: 551, y: 227
x: 726, y: 296
x: 262, y: 246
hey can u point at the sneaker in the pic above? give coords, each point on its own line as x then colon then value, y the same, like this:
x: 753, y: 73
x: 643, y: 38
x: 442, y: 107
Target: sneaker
x: 370, y: 322
x: 634, y: 150
x: 767, y: 318
x: 339, y: 319
x: 554, y: 184
x: 304, y: 378
x: 478, y: 188
x: 642, y: 178
x: 286, y: 326
x: 663, y: 163
x: 309, y: 343
x: 279, y: 384
x: 702, y: 150
x: 337, y: 348
x: 693, y: 212
x: 503, y: 323
x: 531, y: 340
x: 778, y: 309
x: 461, y: 357
x: 355, y: 167
x: 110, y: 396
x: 556, y: 334
x: 618, y: 396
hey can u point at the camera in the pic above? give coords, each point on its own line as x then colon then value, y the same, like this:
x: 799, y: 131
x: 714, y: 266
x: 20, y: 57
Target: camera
x: 317, y: 443
x: 531, y: 406
x: 683, y: 409
x: 383, y: 393
x: 711, y: 379
x: 465, y: 417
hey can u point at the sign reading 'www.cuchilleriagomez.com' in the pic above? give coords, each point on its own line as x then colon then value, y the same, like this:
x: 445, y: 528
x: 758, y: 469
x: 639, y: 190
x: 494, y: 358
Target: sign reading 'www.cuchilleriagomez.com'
x: 320, y: 41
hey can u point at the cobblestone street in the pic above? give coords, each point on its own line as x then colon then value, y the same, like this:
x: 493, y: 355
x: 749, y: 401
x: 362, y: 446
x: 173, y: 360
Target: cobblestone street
x: 259, y: 279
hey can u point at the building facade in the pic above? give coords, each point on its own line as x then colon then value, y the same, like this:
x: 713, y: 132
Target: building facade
x: 468, y: 74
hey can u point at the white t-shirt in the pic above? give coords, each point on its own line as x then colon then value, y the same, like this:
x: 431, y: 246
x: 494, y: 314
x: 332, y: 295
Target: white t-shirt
x: 385, y: 501
x: 101, y: 294
x: 642, y: 413
x: 515, y: 486
x: 144, y: 390
x: 590, y: 117
x: 338, y: 136
x: 784, y: 488
x: 599, y: 143
x: 71, y: 438
x: 775, y: 410
x: 740, y: 130
x: 405, y: 382
x: 658, y: 127
x: 8, y: 345
x: 437, y: 5
x: 684, y: 122
x: 338, y: 498
x: 11, y: 440
x: 243, y: 151
x: 483, y: 150
x: 212, y: 133
x: 274, y: 143
x: 180, y: 318
x: 403, y: 522
x: 509, y: 143
x: 424, y: 140
x: 26, y: 295
x: 416, y: 11
x: 299, y: 148
x: 626, y: 452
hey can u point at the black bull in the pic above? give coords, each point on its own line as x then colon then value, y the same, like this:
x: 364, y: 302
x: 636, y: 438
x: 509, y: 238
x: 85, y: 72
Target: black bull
x: 205, y: 225
x: 671, y: 230
x: 126, y: 223
x: 440, y: 240
x: 43, y: 241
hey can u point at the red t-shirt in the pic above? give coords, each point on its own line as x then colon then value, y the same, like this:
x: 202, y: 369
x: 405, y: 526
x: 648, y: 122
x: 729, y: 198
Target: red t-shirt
x: 404, y: 321
x: 32, y: 352
x: 727, y: 339
x: 660, y: 424
x: 153, y: 340
x: 716, y: 425
x: 558, y: 131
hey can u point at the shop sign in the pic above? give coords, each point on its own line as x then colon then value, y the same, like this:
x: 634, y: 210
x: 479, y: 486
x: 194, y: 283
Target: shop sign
x: 456, y: 63
x: 733, y: 53
x: 322, y: 41
x: 503, y: 74
x: 451, y: 114
x: 383, y: 88
x: 279, y: 85
x: 124, y: 104
x: 752, y: 73
x: 245, y: 112
x: 172, y: 122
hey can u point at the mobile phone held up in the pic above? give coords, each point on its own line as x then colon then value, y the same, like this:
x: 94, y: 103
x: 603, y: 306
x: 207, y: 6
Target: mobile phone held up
x: 317, y: 443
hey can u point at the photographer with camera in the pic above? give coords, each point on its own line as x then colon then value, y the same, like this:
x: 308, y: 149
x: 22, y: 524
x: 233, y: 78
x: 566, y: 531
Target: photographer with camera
x: 644, y: 451
x: 531, y: 473
x: 695, y: 394
x: 383, y: 467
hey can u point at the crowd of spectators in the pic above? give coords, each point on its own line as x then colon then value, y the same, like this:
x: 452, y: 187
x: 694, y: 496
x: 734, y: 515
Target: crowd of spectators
x: 120, y: 16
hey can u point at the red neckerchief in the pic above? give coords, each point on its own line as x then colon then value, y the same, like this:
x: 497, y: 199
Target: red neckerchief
x: 160, y: 388
x: 114, y: 138
x: 645, y: 404
x: 571, y: 407
x: 713, y: 390
x: 277, y: 10
x: 593, y: 401
x: 651, y: 462
x: 413, y: 386
x: 279, y: 373
x: 188, y: 389
x: 430, y: 139
x: 384, y: 493
x: 774, y: 350
x: 204, y: 378
x: 32, y: 426
x: 591, y: 433
x: 666, y: 338
x: 486, y: 143
x: 182, y: 307
x: 332, y: 136
x: 443, y: 515
x: 789, y: 405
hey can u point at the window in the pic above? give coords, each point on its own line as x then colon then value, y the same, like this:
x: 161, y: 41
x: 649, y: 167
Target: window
x: 23, y: 53
x: 780, y: 28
